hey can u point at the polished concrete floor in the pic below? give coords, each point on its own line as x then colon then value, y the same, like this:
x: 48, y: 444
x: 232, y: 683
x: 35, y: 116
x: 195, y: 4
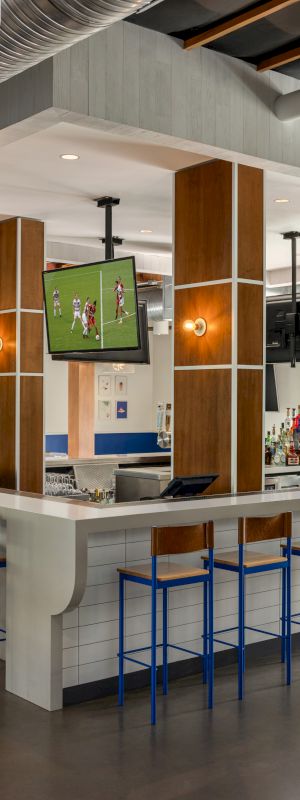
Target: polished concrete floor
x: 95, y: 751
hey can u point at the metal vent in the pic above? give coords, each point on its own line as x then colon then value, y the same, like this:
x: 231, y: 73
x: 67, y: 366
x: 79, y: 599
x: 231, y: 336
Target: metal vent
x: 32, y: 30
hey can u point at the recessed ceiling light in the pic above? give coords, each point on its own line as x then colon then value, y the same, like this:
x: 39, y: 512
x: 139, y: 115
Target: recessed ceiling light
x: 281, y: 200
x: 70, y: 157
x: 146, y: 230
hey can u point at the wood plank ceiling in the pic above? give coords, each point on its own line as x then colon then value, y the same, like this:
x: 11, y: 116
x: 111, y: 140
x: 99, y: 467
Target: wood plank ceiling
x: 265, y: 33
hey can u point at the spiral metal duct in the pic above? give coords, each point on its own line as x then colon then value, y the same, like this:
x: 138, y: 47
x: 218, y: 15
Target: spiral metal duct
x: 32, y: 30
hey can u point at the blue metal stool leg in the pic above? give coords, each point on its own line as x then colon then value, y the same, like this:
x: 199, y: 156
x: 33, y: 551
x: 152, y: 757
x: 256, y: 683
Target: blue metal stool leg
x: 283, y: 615
x: 211, y: 630
x: 241, y: 622
x: 153, y: 642
x: 205, y: 632
x: 121, y: 640
x: 288, y: 616
x: 165, y: 640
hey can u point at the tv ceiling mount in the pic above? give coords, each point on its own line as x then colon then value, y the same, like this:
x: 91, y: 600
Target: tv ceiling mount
x: 108, y: 203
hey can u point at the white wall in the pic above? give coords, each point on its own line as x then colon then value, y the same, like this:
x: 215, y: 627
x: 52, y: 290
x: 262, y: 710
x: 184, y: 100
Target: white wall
x: 147, y: 385
x: 288, y: 389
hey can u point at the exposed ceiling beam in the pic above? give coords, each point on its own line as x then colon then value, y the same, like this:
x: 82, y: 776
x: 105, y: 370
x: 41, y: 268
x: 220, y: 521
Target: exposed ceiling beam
x: 235, y: 23
x: 277, y: 60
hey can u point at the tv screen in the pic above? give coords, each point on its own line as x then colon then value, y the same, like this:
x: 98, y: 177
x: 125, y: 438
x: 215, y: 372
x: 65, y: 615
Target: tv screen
x: 271, y: 389
x: 92, y: 307
x: 139, y: 356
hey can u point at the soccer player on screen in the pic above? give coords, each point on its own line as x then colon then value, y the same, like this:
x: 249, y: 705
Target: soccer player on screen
x: 56, y: 302
x: 119, y: 289
x: 76, y: 310
x: 85, y: 317
x: 92, y: 318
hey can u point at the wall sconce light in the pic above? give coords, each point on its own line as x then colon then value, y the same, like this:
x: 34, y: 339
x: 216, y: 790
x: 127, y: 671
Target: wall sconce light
x: 198, y: 326
x: 1, y: 344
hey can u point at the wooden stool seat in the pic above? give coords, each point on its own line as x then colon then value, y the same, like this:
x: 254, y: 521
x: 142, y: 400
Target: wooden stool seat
x: 295, y: 547
x: 165, y: 572
x: 251, y: 559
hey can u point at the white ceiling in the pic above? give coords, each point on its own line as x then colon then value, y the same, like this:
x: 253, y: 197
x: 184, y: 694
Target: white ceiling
x: 36, y: 182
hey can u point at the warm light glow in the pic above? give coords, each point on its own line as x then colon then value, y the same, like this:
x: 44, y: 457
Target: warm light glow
x: 1, y: 344
x: 189, y: 325
x: 146, y: 230
x: 281, y: 200
x: 198, y: 326
x: 69, y: 157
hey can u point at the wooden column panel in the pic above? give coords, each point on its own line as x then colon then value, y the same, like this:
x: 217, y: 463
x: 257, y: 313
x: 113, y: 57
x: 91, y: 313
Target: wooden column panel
x: 81, y: 410
x: 7, y: 431
x: 8, y: 257
x: 214, y: 304
x: 203, y: 227
x: 32, y: 263
x: 250, y: 223
x: 202, y: 425
x: 8, y: 336
x: 250, y: 323
x: 31, y: 434
x: 32, y: 329
x: 249, y: 430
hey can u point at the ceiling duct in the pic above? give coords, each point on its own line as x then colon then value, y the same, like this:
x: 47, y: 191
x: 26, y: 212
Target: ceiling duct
x: 34, y: 30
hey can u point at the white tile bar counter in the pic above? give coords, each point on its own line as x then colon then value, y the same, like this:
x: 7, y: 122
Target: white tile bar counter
x: 62, y: 592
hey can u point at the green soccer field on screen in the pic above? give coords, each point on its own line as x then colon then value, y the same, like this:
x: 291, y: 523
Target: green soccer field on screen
x: 92, y: 307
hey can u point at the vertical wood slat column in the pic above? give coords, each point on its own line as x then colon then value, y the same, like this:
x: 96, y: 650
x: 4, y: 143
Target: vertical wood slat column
x: 218, y: 379
x: 21, y: 359
x: 81, y: 410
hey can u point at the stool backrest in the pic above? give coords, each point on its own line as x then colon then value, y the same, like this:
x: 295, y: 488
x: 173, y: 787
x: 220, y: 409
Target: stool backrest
x: 182, y: 539
x: 261, y: 529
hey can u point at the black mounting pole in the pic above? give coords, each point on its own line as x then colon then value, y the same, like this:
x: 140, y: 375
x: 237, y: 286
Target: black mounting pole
x: 293, y: 236
x: 108, y: 203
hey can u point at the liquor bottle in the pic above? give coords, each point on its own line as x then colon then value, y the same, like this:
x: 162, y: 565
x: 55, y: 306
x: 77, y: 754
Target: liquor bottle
x: 292, y: 458
x: 288, y: 421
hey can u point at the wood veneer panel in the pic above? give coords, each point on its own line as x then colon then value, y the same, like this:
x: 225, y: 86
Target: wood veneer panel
x: 249, y: 430
x: 202, y: 425
x: 250, y: 223
x: 250, y: 323
x: 81, y: 410
x: 203, y: 227
x: 8, y: 260
x: 31, y: 434
x: 8, y: 335
x: 32, y: 342
x: 7, y: 432
x: 32, y: 263
x: 214, y: 304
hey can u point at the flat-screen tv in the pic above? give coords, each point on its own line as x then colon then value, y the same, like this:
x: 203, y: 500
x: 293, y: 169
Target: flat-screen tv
x: 92, y: 307
x: 280, y: 326
x: 271, y: 389
x: 139, y: 356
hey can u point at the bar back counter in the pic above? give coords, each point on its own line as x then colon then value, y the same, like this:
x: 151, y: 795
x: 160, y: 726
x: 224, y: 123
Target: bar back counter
x: 62, y: 590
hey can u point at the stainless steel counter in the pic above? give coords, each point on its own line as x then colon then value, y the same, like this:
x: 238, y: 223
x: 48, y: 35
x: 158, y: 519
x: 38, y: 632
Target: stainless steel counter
x: 138, y: 483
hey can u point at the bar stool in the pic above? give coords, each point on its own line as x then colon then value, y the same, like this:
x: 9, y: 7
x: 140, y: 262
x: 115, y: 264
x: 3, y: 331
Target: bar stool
x: 166, y: 541
x: 244, y: 563
x: 295, y: 551
x: 2, y: 566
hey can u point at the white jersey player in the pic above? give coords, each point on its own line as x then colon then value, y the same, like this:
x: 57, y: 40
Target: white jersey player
x: 56, y: 302
x: 85, y: 317
x: 76, y: 310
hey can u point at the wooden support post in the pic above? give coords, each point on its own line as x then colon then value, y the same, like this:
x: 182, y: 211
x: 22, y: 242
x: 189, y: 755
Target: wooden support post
x: 81, y: 405
x: 219, y: 275
x: 21, y: 356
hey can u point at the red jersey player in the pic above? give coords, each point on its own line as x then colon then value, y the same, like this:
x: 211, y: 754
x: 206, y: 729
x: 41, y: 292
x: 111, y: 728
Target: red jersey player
x: 91, y: 317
